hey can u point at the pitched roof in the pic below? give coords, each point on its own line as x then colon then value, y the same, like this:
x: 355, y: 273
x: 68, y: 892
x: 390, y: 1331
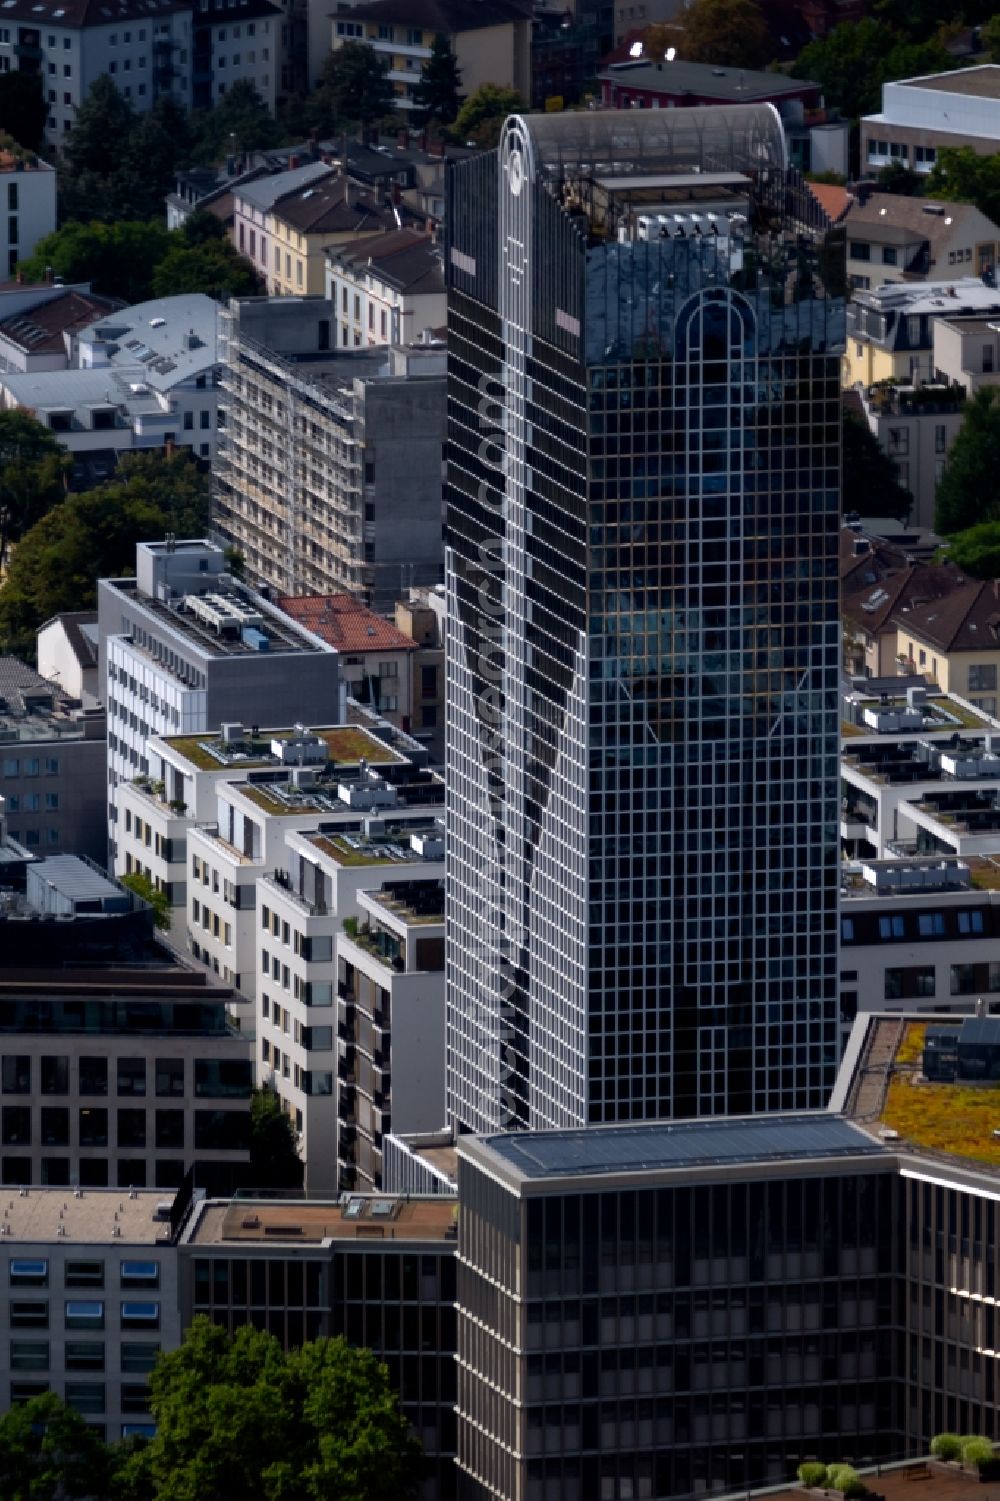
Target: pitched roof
x: 42, y: 328
x: 893, y: 219
x: 265, y: 191
x: 76, y: 13
x: 408, y: 259
x: 345, y: 623
x: 703, y: 80
x: 865, y: 560
x: 444, y: 16
x: 334, y: 206
x: 79, y: 628
x: 918, y: 586
x: 967, y: 619
x: 833, y: 200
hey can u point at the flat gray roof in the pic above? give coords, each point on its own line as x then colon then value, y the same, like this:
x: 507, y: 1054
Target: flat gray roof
x: 678, y: 1144
x: 73, y: 878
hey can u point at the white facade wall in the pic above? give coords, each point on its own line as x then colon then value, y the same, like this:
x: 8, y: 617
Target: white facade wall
x: 371, y: 312
x: 73, y: 58
x: 247, y: 50
x: 27, y: 213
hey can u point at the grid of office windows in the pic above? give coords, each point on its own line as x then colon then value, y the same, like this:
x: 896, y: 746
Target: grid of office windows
x: 642, y: 732
x: 670, y: 1341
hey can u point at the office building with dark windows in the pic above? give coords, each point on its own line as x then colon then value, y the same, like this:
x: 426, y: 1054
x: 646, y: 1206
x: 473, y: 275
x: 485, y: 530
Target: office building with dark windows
x: 679, y: 1308
x: 378, y: 1270
x: 646, y: 312
x: 120, y: 1066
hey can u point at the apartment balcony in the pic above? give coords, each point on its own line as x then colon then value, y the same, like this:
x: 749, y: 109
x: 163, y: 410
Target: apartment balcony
x: 280, y: 882
x: 28, y: 50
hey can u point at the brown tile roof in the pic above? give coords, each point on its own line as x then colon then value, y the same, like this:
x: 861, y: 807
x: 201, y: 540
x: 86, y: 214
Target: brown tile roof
x: 444, y: 16
x: 344, y: 622
x: 833, y: 200
x: 877, y: 561
x: 897, y: 595
x: 335, y: 206
x: 892, y: 219
x: 966, y: 619
x: 408, y: 259
x: 42, y: 328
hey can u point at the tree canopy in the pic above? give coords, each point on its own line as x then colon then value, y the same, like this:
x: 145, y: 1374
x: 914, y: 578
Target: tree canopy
x: 33, y: 467
x: 353, y: 89
x: 48, y: 1453
x: 157, y: 899
x: 236, y: 1416
x: 732, y: 33
x: 138, y: 260
x: 117, y: 259
x: 241, y: 121
x: 481, y: 116
x: 89, y: 536
x: 977, y: 550
x: 870, y: 483
x: 854, y: 60
x: 967, y: 492
x: 274, y: 1155
x: 23, y: 108
x: 960, y: 175
x: 436, y: 95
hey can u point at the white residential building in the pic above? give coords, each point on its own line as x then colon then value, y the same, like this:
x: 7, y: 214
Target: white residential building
x: 184, y: 649
x: 390, y: 1023
x: 921, y: 116
x: 141, y: 377
x: 69, y: 44
x: 386, y: 290
x: 27, y: 204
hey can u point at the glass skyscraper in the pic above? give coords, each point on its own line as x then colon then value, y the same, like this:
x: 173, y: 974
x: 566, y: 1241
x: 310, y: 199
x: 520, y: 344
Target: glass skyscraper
x: 646, y: 314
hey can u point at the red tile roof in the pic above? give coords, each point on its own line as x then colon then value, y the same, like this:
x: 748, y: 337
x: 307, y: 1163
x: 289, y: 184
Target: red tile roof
x: 833, y: 200
x: 344, y: 622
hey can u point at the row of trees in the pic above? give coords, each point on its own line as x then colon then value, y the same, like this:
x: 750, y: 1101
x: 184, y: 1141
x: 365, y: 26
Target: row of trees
x: 137, y: 259
x: 237, y: 1419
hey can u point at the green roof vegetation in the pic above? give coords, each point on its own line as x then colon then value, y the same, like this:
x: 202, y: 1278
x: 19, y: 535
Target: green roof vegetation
x: 955, y: 1118
x: 347, y: 745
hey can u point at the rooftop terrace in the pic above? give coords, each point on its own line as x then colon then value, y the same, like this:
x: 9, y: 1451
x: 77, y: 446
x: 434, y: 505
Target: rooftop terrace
x: 302, y: 1221
x: 955, y: 1118
x: 226, y: 621
x: 347, y: 745
x: 392, y: 848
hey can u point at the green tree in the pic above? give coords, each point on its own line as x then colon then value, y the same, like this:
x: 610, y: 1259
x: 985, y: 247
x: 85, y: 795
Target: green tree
x: 870, y: 483
x: 157, y: 899
x: 103, y: 124
x: 731, y: 33
x: 23, y: 108
x: 436, y: 95
x: 241, y: 121
x: 238, y: 1417
x: 967, y: 491
x: 33, y: 468
x: 354, y: 88
x: 58, y: 560
x: 117, y: 258
x: 922, y: 20
x: 203, y: 228
x: 482, y: 115
x: 214, y: 267
x: 854, y: 60
x: 976, y: 1451
x: 977, y: 552
x: 899, y: 179
x: 274, y: 1153
x: 48, y: 1453
x: 946, y: 1446
x: 960, y: 175
x: 991, y: 38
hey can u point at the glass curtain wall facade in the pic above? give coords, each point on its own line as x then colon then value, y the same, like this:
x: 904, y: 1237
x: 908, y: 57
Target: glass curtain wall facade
x: 643, y: 486
x: 675, y: 1340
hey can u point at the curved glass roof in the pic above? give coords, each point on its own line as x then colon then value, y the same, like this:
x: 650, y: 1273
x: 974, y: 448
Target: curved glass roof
x: 714, y: 138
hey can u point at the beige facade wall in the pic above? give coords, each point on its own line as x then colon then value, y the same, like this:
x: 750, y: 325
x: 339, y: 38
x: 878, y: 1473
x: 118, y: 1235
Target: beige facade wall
x: 496, y: 54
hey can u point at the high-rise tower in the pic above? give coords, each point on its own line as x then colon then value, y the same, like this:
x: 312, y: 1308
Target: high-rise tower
x: 646, y: 313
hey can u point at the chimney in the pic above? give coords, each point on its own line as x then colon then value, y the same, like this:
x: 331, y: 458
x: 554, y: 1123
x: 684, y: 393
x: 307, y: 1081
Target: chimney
x: 397, y: 193
x: 402, y: 138
x: 294, y: 161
